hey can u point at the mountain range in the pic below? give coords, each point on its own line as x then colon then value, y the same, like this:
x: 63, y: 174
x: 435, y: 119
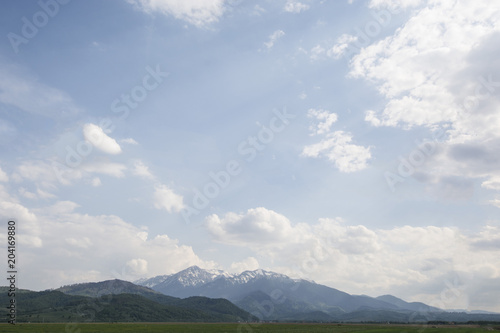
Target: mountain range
x: 273, y: 296
x: 198, y: 295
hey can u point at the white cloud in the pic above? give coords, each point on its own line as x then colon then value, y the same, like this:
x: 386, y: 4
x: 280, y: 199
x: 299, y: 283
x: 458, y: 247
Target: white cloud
x: 437, y: 71
x: 142, y: 170
x: 138, y: 266
x: 337, y: 147
x: 256, y: 226
x: 492, y: 184
x: 430, y: 66
x: 324, y: 118
x: 10, y: 208
x: 27, y: 93
x: 273, y: 38
x: 197, y: 12
x: 53, y: 238
x: 95, y: 135
x: 416, y: 263
x: 165, y: 198
x: 293, y: 6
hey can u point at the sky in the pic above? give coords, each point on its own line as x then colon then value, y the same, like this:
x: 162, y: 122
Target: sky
x: 354, y: 143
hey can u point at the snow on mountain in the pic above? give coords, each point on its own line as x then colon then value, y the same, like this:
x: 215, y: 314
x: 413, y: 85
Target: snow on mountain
x: 151, y: 282
x: 190, y: 277
x: 195, y: 276
x: 247, y: 276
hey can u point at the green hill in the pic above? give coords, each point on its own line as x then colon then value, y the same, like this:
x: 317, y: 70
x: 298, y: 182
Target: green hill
x: 56, y: 306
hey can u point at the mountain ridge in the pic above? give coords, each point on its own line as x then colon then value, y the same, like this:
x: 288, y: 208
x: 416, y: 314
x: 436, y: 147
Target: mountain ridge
x: 250, y: 289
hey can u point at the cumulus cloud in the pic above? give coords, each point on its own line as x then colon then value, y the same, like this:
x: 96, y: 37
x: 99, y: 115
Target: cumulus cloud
x: 197, y: 12
x: 166, y: 199
x: 337, y: 148
x: 55, y: 237
x: 324, y: 121
x: 256, y: 226
x: 437, y: 71
x: 273, y: 38
x: 248, y: 264
x: 96, y: 136
x: 293, y: 6
x: 430, y: 65
x: 137, y: 267
x: 416, y: 263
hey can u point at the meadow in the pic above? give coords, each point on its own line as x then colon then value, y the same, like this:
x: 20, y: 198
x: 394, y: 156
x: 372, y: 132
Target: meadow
x: 239, y: 328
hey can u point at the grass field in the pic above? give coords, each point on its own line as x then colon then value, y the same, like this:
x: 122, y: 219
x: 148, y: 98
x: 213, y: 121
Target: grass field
x: 233, y: 328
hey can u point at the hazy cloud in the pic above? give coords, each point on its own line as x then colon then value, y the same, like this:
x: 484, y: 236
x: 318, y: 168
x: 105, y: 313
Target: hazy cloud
x: 24, y: 91
x: 273, y: 38
x: 197, y: 12
x: 293, y: 6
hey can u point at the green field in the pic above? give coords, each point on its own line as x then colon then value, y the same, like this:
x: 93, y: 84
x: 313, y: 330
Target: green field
x: 233, y: 328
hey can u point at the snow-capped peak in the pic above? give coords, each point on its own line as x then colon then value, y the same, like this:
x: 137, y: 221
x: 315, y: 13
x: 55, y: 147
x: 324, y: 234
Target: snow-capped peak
x: 195, y: 276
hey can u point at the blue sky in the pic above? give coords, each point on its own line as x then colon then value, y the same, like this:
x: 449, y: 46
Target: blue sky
x: 353, y: 143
